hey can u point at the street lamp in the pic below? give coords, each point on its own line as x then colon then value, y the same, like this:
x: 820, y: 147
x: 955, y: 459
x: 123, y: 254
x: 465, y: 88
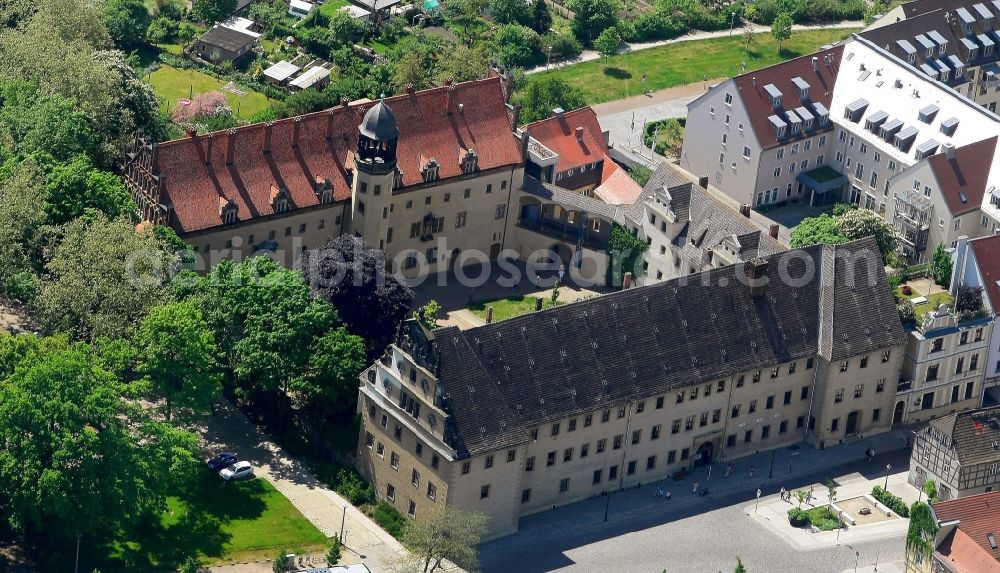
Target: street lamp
x: 76, y: 565
x: 548, y: 63
x: 732, y: 24
x: 343, y: 518
x: 888, y: 468
x: 770, y: 472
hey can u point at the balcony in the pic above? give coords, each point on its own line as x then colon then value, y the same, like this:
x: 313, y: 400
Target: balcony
x: 904, y: 386
x: 913, y: 209
x: 575, y: 233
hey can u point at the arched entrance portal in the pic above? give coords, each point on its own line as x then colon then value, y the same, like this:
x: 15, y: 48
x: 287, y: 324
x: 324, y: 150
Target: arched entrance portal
x: 897, y: 413
x: 703, y: 456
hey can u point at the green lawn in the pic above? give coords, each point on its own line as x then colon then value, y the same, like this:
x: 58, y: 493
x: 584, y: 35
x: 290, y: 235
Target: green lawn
x: 932, y: 303
x: 218, y: 521
x: 823, y: 518
x: 172, y: 84
x: 685, y: 63
x: 330, y: 7
x: 504, y: 308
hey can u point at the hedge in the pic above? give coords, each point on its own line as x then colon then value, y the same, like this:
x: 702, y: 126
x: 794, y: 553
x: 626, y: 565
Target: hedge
x: 891, y: 501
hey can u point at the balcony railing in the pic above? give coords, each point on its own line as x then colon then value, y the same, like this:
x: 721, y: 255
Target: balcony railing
x: 904, y: 385
x: 571, y: 233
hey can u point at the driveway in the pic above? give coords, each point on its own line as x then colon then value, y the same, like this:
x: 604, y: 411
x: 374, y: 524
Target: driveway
x: 365, y: 541
x: 624, y: 119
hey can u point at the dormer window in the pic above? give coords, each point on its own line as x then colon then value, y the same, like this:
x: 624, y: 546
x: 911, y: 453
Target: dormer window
x: 397, y: 180
x: 855, y: 110
x: 469, y: 161
x: 966, y: 19
x: 779, y: 126
x: 279, y: 200
x: 774, y: 95
x: 429, y: 169
x: 801, y: 87
x: 228, y: 211
x: 324, y: 190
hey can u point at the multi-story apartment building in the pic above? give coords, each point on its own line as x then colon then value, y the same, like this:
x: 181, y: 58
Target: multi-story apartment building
x: 944, y: 366
x: 688, y: 231
x: 960, y: 452
x: 552, y: 407
x: 898, y: 141
x: 754, y: 134
x: 977, y: 265
x: 952, y: 41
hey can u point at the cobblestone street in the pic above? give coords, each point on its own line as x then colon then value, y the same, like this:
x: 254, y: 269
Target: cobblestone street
x: 705, y: 534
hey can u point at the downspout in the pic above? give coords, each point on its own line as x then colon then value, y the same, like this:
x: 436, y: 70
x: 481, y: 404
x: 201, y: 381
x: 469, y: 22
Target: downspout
x: 506, y: 218
x: 812, y: 400
x: 725, y: 426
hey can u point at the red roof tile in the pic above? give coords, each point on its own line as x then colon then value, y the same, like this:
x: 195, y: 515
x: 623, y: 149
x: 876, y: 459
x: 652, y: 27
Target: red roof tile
x: 559, y: 134
x: 758, y: 105
x: 965, y: 175
x: 964, y: 555
x: 619, y: 188
x: 431, y: 124
x: 987, y: 250
x: 978, y: 515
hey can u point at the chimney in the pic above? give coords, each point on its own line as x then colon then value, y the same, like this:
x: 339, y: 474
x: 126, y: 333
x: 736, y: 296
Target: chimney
x: 627, y: 281
x: 230, y: 146
x: 815, y: 63
x: 524, y: 144
x: 408, y: 88
x: 558, y: 112
x: 489, y: 314
x: 191, y: 132
x: 267, y: 136
x: 515, y: 115
x: 451, y: 89
x: 579, y: 134
x: 329, y: 125
x: 447, y: 81
x: 461, y: 108
x: 745, y: 210
x: 703, y: 181
x: 344, y: 101
x: 949, y: 150
x: 756, y: 275
x: 538, y: 304
x: 208, y: 152
x: 773, y: 230
x: 296, y: 126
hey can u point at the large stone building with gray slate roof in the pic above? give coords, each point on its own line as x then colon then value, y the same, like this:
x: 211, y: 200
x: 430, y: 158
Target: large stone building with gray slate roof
x: 556, y: 406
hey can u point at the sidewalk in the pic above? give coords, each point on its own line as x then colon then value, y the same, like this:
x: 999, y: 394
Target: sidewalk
x: 364, y: 540
x: 772, y: 513
x: 588, y: 55
x: 794, y: 467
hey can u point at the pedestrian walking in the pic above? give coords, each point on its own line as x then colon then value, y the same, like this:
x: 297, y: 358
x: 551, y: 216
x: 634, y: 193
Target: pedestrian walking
x: 694, y: 489
x: 750, y: 472
x: 667, y: 496
x: 782, y: 493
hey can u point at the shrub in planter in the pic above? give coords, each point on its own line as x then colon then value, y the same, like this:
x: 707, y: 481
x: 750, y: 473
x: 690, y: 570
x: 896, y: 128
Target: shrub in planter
x: 798, y: 517
x: 891, y: 501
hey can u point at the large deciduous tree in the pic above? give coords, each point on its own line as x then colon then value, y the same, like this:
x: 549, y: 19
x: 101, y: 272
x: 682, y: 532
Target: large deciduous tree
x: 127, y: 22
x: 449, y: 534
x: 211, y: 11
x: 510, y: 11
x: 76, y: 457
x: 515, y: 44
x: 351, y: 275
x: 177, y: 355
x: 860, y: 223
x: 542, y: 94
x: 102, y: 279
x: 330, y: 384
x: 822, y: 230
x: 78, y: 187
x: 781, y: 28
x: 593, y: 17
x: 23, y: 230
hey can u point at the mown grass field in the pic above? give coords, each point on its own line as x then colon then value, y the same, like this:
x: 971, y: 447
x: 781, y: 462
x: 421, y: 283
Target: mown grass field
x: 218, y: 521
x: 686, y: 62
x: 172, y: 84
x: 504, y: 308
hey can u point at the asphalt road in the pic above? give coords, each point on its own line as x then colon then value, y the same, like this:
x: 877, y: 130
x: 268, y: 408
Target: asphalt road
x: 690, y: 537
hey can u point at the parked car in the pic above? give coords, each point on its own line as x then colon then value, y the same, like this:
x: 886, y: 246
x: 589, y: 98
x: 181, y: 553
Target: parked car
x: 222, y: 461
x: 239, y: 470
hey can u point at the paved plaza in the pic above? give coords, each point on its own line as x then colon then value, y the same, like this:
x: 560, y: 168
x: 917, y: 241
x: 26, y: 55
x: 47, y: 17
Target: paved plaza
x: 706, y: 534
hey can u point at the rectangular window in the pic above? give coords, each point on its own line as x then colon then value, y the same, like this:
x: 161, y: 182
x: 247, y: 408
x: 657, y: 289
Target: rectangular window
x: 550, y: 459
x: 526, y: 495
x: 415, y: 478
x: 394, y: 460
x: 431, y: 491
x: 650, y: 463
x: 675, y: 427
x: 529, y: 463
x: 587, y: 420
x: 511, y: 455
x: 689, y: 423
x: 735, y: 412
x: 484, y: 491
x: 584, y: 450
x: 390, y: 492
x: 752, y: 407
x: 571, y: 426
x: 640, y: 406
x: 834, y: 424
x: 800, y: 422
x: 654, y: 433
x: 555, y: 429
x: 597, y: 476
x: 602, y: 445
x: 787, y: 398
x: 488, y: 463
x: 859, y: 390
x: 612, y: 472
x: 567, y: 455
x: 605, y: 416
x: 636, y: 436
x: 630, y: 469
x: 617, y: 444
x: 769, y: 405
x: 501, y: 211
x: 621, y: 412
x: 659, y: 403
x: 838, y: 396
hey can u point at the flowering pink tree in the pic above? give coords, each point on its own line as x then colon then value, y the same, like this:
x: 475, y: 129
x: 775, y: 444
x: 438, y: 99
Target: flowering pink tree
x: 203, y: 105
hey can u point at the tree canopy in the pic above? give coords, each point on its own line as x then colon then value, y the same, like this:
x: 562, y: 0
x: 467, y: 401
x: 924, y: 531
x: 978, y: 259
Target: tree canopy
x: 127, y: 22
x: 212, y: 11
x: 941, y: 266
x: 73, y: 445
x: 351, y: 275
x: 449, y: 534
x: 781, y: 28
x: 544, y: 93
x: 822, y: 230
x: 593, y: 17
